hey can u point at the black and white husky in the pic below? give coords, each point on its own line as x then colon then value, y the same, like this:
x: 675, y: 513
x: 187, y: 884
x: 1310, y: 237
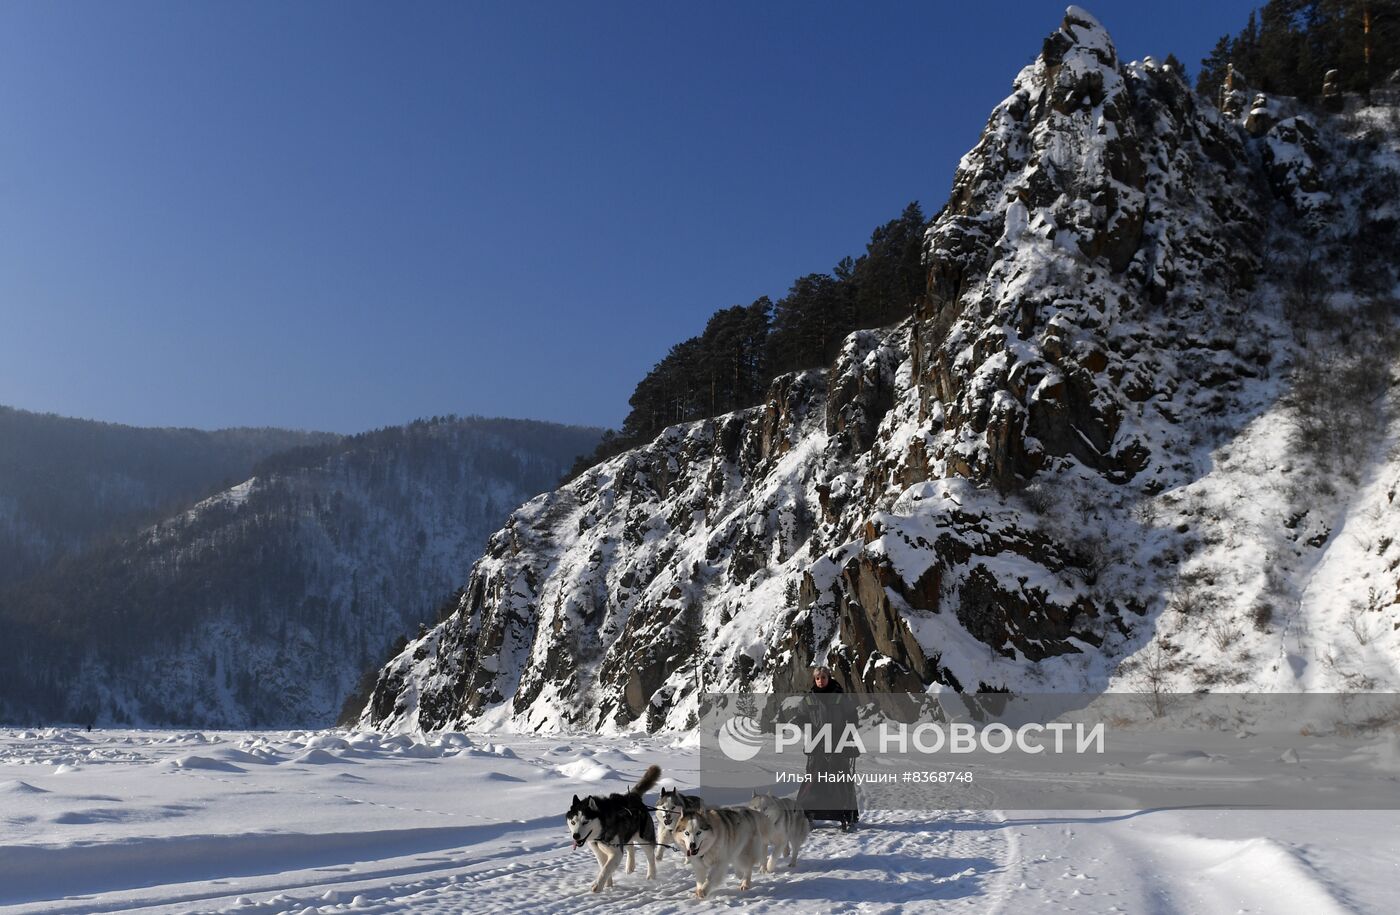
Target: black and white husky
x: 717, y: 837
x: 669, y: 809
x: 612, y: 822
x: 790, y: 827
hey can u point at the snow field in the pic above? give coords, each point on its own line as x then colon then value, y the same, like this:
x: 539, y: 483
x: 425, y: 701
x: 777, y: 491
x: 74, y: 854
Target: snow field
x: 325, y: 822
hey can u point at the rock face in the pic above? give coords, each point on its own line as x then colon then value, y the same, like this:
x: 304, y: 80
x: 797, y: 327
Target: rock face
x: 965, y: 499
x: 1232, y: 92
x: 1260, y: 117
x: 1332, y: 98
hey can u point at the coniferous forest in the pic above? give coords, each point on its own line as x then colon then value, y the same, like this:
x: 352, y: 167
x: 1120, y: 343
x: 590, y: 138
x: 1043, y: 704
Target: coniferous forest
x: 1290, y: 45
x: 1284, y: 49
x: 69, y: 485
x: 744, y: 347
x: 264, y: 603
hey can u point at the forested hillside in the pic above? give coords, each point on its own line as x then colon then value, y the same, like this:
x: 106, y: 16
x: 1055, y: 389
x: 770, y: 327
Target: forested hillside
x: 743, y: 348
x: 68, y: 484
x: 264, y: 603
x: 1288, y: 47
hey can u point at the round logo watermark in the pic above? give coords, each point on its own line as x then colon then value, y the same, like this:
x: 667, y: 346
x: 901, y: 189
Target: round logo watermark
x: 740, y: 738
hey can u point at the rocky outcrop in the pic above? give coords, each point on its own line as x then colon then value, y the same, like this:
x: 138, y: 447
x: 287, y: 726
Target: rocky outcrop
x: 955, y: 501
x: 1332, y: 98
x: 1261, y: 117
x: 1088, y: 157
x: 1293, y: 160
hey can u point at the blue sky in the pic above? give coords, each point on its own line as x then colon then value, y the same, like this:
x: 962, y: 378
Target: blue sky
x: 345, y: 215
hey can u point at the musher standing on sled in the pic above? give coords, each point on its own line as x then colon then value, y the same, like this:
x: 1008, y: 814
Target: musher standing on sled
x: 829, y: 800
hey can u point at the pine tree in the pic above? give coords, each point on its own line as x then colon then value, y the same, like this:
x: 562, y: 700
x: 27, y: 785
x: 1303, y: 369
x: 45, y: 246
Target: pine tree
x: 1291, y: 44
x: 743, y: 348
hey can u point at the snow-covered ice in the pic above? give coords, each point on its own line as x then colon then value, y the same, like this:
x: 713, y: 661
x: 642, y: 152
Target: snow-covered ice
x: 322, y: 822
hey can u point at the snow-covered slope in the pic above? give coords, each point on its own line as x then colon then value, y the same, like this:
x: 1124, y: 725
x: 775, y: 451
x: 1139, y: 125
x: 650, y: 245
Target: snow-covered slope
x: 67, y: 485
x: 1139, y: 427
x: 263, y: 605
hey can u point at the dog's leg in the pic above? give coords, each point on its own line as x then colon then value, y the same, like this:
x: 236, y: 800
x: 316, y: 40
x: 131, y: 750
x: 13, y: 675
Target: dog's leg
x: 718, y: 869
x: 602, y: 865
x: 631, y: 857
x: 751, y: 858
x: 804, y: 829
x: 721, y: 870
x: 702, y: 876
x: 663, y: 838
x: 652, y: 852
x: 609, y: 858
x: 614, y: 864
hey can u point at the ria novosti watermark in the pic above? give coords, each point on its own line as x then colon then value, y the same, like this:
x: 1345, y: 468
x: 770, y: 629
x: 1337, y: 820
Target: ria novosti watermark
x: 931, y: 738
x: 1061, y: 751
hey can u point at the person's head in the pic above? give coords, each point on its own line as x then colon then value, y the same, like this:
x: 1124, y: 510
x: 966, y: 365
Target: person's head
x: 821, y: 676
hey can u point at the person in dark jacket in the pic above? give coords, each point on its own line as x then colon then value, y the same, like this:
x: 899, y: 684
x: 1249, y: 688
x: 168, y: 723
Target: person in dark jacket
x: 829, y: 800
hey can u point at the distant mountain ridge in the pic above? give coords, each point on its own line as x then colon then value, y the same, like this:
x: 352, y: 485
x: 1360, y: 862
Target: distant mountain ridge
x: 68, y: 484
x: 262, y: 604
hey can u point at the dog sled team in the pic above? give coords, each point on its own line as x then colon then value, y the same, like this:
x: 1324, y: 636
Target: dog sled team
x: 712, y: 839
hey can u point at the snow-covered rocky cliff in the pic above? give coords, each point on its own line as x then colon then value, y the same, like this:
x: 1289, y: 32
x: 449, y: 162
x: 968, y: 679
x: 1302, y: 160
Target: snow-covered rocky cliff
x: 1139, y: 428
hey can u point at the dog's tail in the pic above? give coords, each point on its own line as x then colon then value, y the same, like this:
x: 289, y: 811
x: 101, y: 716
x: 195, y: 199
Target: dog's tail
x: 649, y: 779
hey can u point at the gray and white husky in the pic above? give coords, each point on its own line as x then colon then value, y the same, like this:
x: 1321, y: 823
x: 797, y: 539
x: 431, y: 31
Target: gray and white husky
x: 790, y: 827
x: 669, y: 809
x: 608, y: 824
x: 716, y: 837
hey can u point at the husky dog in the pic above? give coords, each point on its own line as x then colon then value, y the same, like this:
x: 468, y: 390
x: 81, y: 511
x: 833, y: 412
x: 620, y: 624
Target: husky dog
x: 790, y: 827
x: 669, y: 810
x: 610, y: 823
x: 716, y: 837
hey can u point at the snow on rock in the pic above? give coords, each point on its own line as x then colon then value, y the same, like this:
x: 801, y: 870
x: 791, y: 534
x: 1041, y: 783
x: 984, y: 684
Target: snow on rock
x: 1109, y: 441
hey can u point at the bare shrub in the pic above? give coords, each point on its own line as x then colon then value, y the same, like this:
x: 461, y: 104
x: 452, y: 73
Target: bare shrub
x: 1358, y: 625
x: 1275, y: 582
x: 1305, y: 298
x: 1338, y: 664
x: 1191, y: 599
x: 1261, y: 615
x: 1358, y: 617
x: 1039, y: 498
x: 1224, y: 633
x: 1334, y: 401
x: 1149, y: 675
x: 1090, y: 556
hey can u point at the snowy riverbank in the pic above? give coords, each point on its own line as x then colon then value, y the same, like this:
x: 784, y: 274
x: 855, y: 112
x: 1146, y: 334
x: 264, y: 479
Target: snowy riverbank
x: 321, y: 822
